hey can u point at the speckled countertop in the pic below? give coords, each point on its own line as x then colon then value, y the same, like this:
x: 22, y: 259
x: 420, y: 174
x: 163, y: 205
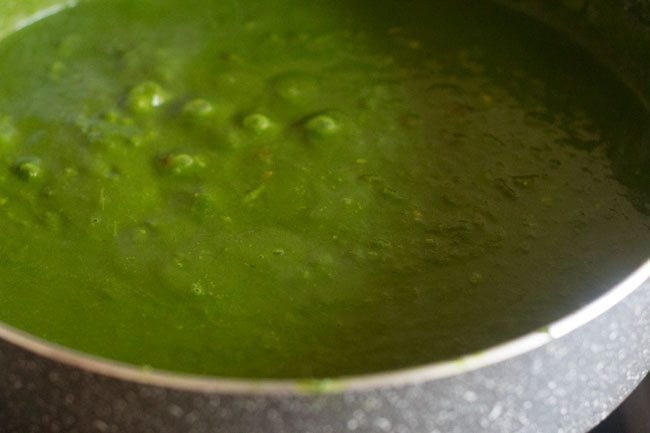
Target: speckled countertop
x: 633, y: 416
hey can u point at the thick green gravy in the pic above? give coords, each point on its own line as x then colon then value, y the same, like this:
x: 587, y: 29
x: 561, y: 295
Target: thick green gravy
x: 260, y: 189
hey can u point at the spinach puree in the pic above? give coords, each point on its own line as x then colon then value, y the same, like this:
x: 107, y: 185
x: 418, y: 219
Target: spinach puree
x: 280, y: 189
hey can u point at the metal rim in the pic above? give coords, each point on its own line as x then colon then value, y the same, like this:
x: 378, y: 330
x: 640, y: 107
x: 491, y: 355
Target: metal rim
x: 438, y: 370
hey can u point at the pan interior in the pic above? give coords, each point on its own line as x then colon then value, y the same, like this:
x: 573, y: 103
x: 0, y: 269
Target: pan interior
x: 287, y: 189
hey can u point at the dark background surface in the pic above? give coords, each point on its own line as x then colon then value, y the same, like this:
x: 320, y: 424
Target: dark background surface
x: 633, y: 416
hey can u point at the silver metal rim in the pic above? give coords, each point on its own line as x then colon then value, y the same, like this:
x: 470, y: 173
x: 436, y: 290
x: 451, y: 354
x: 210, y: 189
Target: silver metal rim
x: 429, y: 372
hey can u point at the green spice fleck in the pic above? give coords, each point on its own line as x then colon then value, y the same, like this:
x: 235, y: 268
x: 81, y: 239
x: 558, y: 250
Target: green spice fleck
x: 28, y: 168
x: 178, y: 163
x: 146, y: 96
x: 254, y: 194
x: 198, y: 108
x: 321, y: 126
x: 257, y: 123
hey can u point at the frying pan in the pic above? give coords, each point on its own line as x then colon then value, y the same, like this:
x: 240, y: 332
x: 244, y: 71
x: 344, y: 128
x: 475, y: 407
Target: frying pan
x: 563, y: 378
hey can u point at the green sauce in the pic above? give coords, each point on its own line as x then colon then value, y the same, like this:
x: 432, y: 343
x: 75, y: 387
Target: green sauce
x: 307, y: 189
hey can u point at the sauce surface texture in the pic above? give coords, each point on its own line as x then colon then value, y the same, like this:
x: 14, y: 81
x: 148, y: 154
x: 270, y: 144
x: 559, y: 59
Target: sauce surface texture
x: 261, y: 189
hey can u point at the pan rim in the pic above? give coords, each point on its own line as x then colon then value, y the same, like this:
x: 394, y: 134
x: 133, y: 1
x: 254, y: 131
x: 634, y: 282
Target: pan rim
x: 394, y: 378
